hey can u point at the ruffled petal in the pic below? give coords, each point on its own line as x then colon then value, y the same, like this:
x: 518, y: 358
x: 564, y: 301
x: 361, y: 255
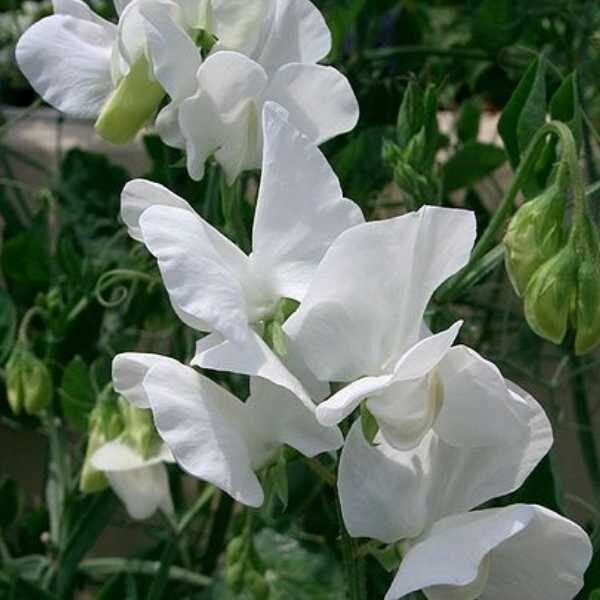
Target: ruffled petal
x: 320, y: 100
x: 251, y: 357
x: 297, y: 33
x: 203, y: 425
x: 201, y: 282
x: 67, y: 59
x: 300, y: 209
x: 357, y: 317
x: 128, y: 372
x: 532, y: 553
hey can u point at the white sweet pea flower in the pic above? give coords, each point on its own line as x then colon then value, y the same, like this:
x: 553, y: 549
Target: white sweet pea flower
x: 216, y: 105
x: 213, y: 435
x: 520, y: 551
x: 141, y: 483
x: 73, y: 61
x: 419, y: 499
x: 362, y: 322
x: 213, y: 286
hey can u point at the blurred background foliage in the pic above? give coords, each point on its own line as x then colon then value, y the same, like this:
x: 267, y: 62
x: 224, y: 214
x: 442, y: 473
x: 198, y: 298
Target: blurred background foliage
x: 78, y: 290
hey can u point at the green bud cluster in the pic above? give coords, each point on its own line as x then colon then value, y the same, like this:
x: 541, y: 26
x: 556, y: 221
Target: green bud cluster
x: 28, y: 382
x: 557, y: 274
x: 412, y: 155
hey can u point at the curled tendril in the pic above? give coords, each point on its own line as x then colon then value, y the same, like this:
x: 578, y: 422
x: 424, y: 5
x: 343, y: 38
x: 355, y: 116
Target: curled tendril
x: 119, y: 291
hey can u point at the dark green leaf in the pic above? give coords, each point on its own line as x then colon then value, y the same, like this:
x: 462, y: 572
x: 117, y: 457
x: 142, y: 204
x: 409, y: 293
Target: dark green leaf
x: 8, y: 324
x: 565, y: 106
x: 467, y: 123
x: 9, y: 502
x: 31, y: 567
x: 341, y: 17
x: 595, y: 595
x: 471, y: 163
x: 525, y: 112
x: 496, y: 24
x: 278, y: 473
x: 26, y: 258
x: 77, y: 394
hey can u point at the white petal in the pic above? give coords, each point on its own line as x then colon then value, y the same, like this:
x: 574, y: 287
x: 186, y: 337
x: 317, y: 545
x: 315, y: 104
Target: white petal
x: 251, y: 357
x: 276, y: 412
x: 320, y: 100
x: 478, y: 408
x: 174, y: 56
x: 139, y: 195
x: 533, y: 554
x: 128, y: 372
x: 221, y: 117
x: 342, y: 403
x: 366, y: 303
x: 117, y: 456
x: 297, y: 33
x: 437, y: 479
x: 203, y: 426
x: 406, y: 410
x: 67, y: 60
x: 132, y: 32
x: 143, y: 491
x: 201, y: 282
x: 237, y: 23
x: 300, y: 209
x: 380, y: 496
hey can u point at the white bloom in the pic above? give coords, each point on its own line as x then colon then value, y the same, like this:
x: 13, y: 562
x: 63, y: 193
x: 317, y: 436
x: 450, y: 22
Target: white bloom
x: 362, y: 322
x: 519, y: 551
x: 141, y: 483
x: 213, y: 435
x: 420, y: 499
x: 216, y: 105
x: 214, y: 286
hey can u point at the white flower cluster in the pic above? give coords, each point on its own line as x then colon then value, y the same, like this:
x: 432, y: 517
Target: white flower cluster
x: 452, y: 433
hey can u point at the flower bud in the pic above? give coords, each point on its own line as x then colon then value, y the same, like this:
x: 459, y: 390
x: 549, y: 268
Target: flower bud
x: 535, y: 234
x: 131, y: 105
x: 235, y: 550
x: 28, y: 381
x: 551, y: 295
x: 587, y: 310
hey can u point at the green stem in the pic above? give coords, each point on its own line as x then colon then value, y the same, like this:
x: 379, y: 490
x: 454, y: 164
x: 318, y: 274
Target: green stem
x: 26, y: 322
x: 109, y: 566
x: 354, y: 562
x: 585, y: 431
x: 453, y: 288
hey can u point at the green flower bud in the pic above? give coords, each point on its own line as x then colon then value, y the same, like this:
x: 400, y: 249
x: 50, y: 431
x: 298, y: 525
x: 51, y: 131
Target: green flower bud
x: 28, y: 381
x: 234, y: 577
x: 411, y: 115
x: 551, y: 295
x: 587, y: 311
x: 535, y: 234
x: 417, y: 186
x: 131, y: 105
x: 257, y: 585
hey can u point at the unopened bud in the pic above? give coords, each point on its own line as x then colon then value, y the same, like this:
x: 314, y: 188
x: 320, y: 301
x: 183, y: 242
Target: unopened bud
x: 28, y: 381
x: 131, y: 105
x: 235, y: 550
x: 234, y: 577
x: 535, y: 234
x: 551, y: 295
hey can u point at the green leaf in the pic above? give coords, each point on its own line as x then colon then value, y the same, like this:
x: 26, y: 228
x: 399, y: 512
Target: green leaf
x: 566, y: 107
x: 9, y: 502
x: 26, y: 258
x: 278, y: 474
x: 31, y: 567
x: 525, y: 112
x: 496, y: 24
x: 467, y: 123
x: 471, y: 163
x: 595, y: 595
x: 94, y: 517
x: 77, y: 394
x: 8, y: 324
x: 341, y: 17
